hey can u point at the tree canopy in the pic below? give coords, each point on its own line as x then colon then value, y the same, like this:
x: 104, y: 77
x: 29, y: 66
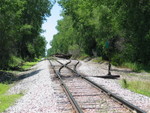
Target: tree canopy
x: 20, y: 28
x: 88, y: 25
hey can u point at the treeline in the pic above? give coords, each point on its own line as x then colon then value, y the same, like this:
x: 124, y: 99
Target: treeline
x: 20, y: 28
x: 117, y: 28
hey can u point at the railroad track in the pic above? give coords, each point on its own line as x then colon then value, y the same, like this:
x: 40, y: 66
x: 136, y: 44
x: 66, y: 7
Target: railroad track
x: 87, y: 96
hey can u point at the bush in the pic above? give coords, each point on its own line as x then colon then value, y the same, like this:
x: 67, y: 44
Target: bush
x: 117, y: 60
x: 15, y: 61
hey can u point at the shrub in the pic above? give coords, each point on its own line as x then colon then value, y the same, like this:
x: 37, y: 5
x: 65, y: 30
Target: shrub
x: 15, y: 61
x: 117, y: 60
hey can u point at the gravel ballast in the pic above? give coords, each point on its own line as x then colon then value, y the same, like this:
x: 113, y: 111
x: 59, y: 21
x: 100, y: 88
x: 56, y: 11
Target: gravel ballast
x: 91, y: 69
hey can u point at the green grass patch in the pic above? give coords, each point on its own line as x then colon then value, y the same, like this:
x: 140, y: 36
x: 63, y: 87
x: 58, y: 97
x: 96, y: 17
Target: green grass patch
x: 98, y: 59
x: 38, y: 59
x: 28, y: 65
x: 134, y: 66
x: 3, y: 88
x: 141, y: 87
x: 131, y: 74
x: 83, y: 56
x: 6, y: 100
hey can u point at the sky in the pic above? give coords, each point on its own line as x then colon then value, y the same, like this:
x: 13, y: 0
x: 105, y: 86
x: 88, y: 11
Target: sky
x: 51, y: 23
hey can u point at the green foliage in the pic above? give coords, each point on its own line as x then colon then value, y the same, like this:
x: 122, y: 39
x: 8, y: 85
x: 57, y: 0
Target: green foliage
x: 26, y: 29
x: 117, y: 60
x: 30, y: 49
x: 6, y: 100
x: 15, y: 61
x: 90, y: 24
x: 37, y: 60
x: 20, y: 29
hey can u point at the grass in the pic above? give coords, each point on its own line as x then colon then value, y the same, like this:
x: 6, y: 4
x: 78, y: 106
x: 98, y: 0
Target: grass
x: 28, y: 65
x: 83, y: 56
x: 141, y: 87
x: 3, y: 88
x: 98, y: 59
x: 136, y: 67
x: 131, y: 74
x: 6, y: 100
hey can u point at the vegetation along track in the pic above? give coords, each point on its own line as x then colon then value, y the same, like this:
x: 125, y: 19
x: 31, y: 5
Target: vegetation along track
x: 89, y: 98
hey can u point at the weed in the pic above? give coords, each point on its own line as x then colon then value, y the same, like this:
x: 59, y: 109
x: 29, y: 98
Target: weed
x: 124, y: 83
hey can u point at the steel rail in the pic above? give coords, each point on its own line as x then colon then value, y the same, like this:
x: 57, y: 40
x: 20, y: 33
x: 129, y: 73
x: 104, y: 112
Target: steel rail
x: 68, y: 93
x: 66, y: 66
x: 126, y: 103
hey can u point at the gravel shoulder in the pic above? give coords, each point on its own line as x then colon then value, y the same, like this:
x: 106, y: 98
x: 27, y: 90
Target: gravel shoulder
x: 38, y: 92
x: 91, y: 69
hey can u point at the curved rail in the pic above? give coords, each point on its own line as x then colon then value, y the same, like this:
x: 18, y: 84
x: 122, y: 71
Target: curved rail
x: 126, y: 103
x: 64, y: 66
x: 72, y: 100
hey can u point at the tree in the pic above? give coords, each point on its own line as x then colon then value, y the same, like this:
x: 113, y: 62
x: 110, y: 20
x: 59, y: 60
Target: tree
x: 20, y: 29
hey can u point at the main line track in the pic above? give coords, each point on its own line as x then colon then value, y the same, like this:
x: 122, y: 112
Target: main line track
x: 90, y: 98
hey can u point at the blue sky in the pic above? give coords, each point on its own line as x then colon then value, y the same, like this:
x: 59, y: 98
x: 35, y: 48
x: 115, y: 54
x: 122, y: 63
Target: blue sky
x: 51, y: 23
